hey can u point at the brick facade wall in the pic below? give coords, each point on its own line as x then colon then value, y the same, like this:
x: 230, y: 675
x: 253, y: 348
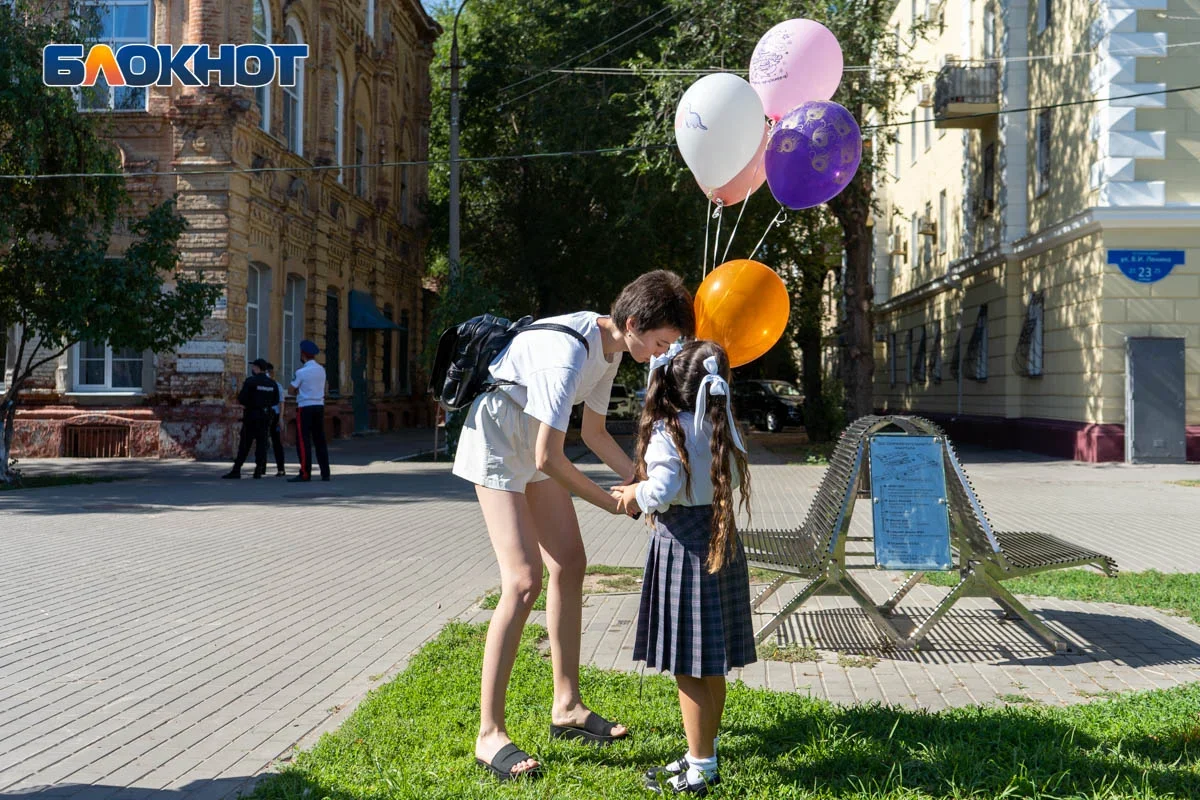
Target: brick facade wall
x: 291, y: 221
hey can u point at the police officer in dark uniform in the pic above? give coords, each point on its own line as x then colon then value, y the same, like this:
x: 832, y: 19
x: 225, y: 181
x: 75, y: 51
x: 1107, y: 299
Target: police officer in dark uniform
x: 258, y: 395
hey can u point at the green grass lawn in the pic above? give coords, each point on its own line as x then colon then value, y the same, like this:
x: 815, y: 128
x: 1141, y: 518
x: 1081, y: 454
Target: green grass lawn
x: 414, y: 738
x: 43, y: 481
x: 1172, y: 591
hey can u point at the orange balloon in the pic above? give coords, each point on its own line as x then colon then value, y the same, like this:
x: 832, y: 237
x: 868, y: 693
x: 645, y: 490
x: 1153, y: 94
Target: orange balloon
x: 743, y: 306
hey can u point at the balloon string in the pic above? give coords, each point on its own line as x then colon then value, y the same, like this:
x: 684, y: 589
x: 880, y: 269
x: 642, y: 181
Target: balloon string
x: 717, y: 238
x: 738, y: 221
x: 779, y: 219
x: 704, y: 250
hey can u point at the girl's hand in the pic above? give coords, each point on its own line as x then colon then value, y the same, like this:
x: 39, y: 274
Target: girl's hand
x: 626, y: 497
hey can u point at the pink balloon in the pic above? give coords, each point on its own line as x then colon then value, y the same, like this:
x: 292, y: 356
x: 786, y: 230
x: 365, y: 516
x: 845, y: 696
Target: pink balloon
x: 746, y: 182
x: 794, y: 62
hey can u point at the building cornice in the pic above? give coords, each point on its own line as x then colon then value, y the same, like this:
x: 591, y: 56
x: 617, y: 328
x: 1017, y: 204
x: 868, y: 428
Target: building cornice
x: 1087, y: 222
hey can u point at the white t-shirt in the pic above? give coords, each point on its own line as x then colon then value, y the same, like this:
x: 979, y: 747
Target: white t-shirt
x: 665, y: 483
x: 553, y: 372
x: 309, y: 384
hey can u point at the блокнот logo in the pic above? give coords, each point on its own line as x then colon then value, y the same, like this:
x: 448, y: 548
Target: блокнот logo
x: 160, y: 65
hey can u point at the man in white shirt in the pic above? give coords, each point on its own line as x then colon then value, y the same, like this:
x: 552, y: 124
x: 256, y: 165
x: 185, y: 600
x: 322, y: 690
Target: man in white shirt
x: 309, y: 386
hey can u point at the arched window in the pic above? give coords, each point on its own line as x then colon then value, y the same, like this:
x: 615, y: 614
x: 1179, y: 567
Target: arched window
x: 371, y: 19
x: 261, y: 34
x: 293, y: 99
x: 339, y: 123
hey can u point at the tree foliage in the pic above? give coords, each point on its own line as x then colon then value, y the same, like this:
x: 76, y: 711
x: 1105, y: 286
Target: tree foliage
x: 554, y: 234
x: 59, y: 283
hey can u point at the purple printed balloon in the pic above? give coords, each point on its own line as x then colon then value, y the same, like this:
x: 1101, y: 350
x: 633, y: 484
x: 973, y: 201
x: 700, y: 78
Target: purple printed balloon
x: 813, y: 153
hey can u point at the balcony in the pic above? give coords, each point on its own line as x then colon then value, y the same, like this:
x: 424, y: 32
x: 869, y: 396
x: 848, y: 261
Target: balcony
x: 966, y: 96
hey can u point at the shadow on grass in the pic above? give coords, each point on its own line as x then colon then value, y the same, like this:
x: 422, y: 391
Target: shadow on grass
x: 414, y: 738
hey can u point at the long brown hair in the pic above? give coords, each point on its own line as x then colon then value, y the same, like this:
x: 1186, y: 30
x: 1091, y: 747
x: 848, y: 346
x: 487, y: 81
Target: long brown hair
x: 673, y: 389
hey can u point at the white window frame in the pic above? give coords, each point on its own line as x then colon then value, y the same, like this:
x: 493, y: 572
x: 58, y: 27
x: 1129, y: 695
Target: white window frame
x: 896, y: 147
x: 928, y: 129
x: 258, y: 276
x: 293, y: 98
x: 294, y: 292
x: 915, y: 244
x: 943, y: 220
x: 262, y: 94
x: 117, y: 42
x: 989, y: 33
x: 912, y: 127
x: 107, y: 387
x: 339, y: 124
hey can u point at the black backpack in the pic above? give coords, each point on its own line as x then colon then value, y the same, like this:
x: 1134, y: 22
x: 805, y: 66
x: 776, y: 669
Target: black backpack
x: 464, y: 353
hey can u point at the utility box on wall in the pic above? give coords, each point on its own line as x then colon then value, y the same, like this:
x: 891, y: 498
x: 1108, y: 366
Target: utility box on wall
x: 1155, y: 401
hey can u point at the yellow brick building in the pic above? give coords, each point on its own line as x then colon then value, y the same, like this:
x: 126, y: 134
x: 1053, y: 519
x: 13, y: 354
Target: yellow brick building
x: 335, y: 255
x: 1002, y: 308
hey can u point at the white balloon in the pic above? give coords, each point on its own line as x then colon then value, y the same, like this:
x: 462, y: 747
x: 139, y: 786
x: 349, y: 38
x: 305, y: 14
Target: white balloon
x: 718, y: 127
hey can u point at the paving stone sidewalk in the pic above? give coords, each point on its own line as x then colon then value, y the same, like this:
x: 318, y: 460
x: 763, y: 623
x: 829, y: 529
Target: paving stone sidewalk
x: 170, y: 635
x: 972, y: 656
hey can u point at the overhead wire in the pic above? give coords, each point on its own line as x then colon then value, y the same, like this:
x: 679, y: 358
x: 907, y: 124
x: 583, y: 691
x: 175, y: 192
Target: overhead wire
x: 609, y: 52
x: 554, y: 154
x: 1147, y: 51
x: 561, y: 64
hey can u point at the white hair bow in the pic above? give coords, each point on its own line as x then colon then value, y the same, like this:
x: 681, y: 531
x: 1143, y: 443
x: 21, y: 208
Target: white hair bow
x: 665, y: 358
x: 715, y: 385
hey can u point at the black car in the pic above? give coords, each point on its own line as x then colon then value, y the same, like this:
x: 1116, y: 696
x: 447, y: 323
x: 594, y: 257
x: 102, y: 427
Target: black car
x: 768, y: 405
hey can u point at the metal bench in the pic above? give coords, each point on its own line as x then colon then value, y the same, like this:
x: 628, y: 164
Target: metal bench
x: 984, y: 557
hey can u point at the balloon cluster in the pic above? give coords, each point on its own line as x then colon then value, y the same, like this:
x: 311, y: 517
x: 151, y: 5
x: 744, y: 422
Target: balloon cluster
x: 810, y: 152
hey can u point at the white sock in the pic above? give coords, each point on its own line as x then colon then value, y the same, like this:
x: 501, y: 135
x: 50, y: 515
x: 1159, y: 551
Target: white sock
x: 673, y: 767
x: 701, y: 769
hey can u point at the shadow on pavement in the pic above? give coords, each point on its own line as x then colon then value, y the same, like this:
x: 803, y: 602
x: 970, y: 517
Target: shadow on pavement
x: 213, y: 789
x: 979, y: 635
x: 199, y: 486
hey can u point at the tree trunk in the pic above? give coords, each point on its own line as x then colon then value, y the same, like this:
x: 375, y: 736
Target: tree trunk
x: 858, y: 348
x: 8, y: 412
x: 808, y: 340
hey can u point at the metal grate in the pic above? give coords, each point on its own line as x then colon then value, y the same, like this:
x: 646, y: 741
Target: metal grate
x: 96, y: 441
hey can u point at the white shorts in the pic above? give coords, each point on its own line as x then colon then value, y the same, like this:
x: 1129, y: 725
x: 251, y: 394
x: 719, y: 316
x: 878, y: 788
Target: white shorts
x: 496, y: 447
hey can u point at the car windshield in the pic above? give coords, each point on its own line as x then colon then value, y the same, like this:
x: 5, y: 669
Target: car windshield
x: 783, y: 389
x: 619, y: 391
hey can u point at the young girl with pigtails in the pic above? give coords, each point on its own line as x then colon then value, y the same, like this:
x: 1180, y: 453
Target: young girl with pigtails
x: 694, y: 619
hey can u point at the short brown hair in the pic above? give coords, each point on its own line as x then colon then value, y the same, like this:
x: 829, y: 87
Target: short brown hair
x: 657, y: 299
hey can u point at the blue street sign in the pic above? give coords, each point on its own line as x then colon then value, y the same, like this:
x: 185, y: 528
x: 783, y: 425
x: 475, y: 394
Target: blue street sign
x: 1146, y: 266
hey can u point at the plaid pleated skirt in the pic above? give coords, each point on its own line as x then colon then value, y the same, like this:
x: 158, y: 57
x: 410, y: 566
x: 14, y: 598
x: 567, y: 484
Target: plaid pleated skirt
x: 691, y: 622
